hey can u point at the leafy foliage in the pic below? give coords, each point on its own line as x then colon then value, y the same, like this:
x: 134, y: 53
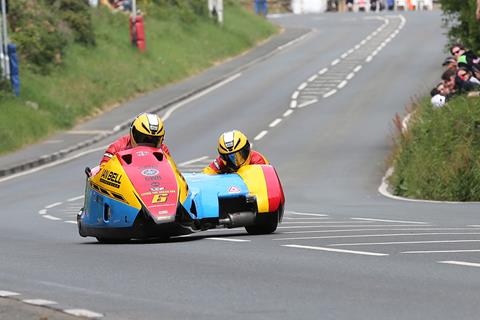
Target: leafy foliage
x: 43, y: 29
x: 461, y: 21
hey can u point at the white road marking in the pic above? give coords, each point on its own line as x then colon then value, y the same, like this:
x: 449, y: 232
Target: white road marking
x: 307, y: 214
x: 323, y: 71
x: 42, y: 212
x: 293, y: 104
x: 402, y: 242
x: 342, y: 84
x: 75, y: 198
x: 302, y: 86
x: 88, y: 132
x: 350, y: 76
x: 441, y: 251
x: 8, y: 294
x: 193, y: 161
x: 385, y: 220
x: 260, y: 135
x: 343, y: 56
x: 312, y: 78
x: 369, y: 58
x: 336, y: 250
x: 172, y: 109
x: 275, y: 122
x: 229, y: 239
x: 83, y: 313
x: 53, y: 205
x: 374, y: 235
x: 462, y: 263
x: 474, y: 225
x: 293, y: 42
x: 352, y: 226
x: 350, y: 51
x: 357, y: 68
x: 307, y: 103
x: 330, y: 93
x: 295, y: 95
x: 71, y: 221
x: 47, y: 216
x: 39, y: 302
x: 304, y: 218
x: 357, y: 47
x: 288, y: 112
x: 334, y: 62
x: 368, y: 229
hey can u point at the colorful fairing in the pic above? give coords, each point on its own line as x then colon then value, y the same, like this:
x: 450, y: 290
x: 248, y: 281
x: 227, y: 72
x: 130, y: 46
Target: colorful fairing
x: 140, y: 193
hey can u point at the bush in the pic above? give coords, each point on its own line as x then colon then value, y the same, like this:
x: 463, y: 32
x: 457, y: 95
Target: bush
x: 39, y: 34
x: 461, y: 21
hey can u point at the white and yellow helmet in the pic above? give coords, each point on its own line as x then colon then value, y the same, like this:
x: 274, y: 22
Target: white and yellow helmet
x: 234, y: 149
x: 147, y: 130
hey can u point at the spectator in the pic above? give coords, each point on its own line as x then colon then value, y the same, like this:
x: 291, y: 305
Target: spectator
x: 449, y: 83
x: 465, y: 80
x: 465, y: 57
x: 349, y: 4
x: 450, y: 63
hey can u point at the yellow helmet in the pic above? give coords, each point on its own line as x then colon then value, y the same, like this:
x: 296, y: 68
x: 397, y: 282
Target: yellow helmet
x: 147, y: 130
x: 234, y: 149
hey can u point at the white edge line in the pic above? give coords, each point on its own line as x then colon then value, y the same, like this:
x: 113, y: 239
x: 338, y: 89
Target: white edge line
x: 342, y: 84
x: 357, y: 68
x: 461, y: 263
x: 288, y: 112
x: 307, y: 103
x: 312, y: 78
x: 75, y: 198
x: 83, y: 313
x: 260, y: 135
x: 293, y: 104
x: 307, y: 214
x: 71, y: 221
x: 385, y: 220
x: 302, y: 86
x: 275, y: 122
x: 336, y: 250
x: 8, y: 294
x: 295, y: 95
x: 47, y: 216
x: 350, y: 76
x: 334, y: 62
x: 39, y: 302
x: 293, y: 42
x: 193, y: 161
x: 229, y: 239
x: 330, y: 93
x: 53, y: 205
x: 323, y: 71
x: 441, y: 251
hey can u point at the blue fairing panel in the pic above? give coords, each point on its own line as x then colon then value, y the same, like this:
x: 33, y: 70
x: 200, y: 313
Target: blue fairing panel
x: 121, y: 214
x: 206, y: 189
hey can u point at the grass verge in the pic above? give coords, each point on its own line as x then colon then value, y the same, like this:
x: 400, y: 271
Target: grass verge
x: 91, y: 79
x: 438, y: 157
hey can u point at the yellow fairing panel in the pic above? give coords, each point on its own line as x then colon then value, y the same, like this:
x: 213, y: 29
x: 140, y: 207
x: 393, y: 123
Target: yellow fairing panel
x: 182, y: 184
x: 255, y: 180
x: 113, y: 179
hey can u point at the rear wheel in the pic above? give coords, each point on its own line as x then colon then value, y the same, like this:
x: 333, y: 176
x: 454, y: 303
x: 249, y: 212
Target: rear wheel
x: 265, y: 223
x: 111, y: 240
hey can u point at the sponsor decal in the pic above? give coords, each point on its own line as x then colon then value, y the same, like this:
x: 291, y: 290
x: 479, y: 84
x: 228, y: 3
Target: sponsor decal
x: 142, y: 153
x: 163, y: 191
x: 111, y: 178
x: 162, y: 212
x: 155, y: 184
x: 154, y: 178
x: 160, y: 198
x: 150, y: 172
x: 156, y: 189
x: 234, y: 189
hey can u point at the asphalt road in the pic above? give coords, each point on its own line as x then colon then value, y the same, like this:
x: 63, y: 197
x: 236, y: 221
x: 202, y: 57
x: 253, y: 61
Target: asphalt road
x: 321, y: 111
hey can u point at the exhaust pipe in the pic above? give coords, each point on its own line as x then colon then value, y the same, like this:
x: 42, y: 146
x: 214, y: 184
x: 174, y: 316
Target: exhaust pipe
x: 238, y: 219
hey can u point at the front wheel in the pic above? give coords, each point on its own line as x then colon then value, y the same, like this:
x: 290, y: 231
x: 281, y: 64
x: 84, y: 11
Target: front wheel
x: 265, y: 223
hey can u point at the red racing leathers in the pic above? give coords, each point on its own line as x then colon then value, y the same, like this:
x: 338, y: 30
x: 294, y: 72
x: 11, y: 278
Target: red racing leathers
x: 123, y: 143
x: 218, y: 165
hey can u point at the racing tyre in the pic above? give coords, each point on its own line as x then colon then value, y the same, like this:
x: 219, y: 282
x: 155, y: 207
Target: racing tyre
x: 264, y: 224
x: 111, y: 241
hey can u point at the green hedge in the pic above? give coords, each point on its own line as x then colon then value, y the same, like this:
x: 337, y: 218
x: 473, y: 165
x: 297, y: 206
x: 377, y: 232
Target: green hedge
x: 461, y: 22
x: 438, y: 158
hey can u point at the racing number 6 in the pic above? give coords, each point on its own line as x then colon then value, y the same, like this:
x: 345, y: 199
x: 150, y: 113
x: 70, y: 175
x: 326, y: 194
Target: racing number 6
x: 159, y: 198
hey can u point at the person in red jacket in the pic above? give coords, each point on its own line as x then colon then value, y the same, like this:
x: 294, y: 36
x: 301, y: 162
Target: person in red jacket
x: 146, y: 130
x: 235, y: 152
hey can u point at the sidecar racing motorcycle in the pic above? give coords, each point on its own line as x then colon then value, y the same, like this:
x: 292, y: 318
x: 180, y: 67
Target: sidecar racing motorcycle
x: 141, y: 194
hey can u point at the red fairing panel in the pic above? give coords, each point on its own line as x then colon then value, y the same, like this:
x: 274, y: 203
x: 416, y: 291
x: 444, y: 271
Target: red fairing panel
x: 274, y: 188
